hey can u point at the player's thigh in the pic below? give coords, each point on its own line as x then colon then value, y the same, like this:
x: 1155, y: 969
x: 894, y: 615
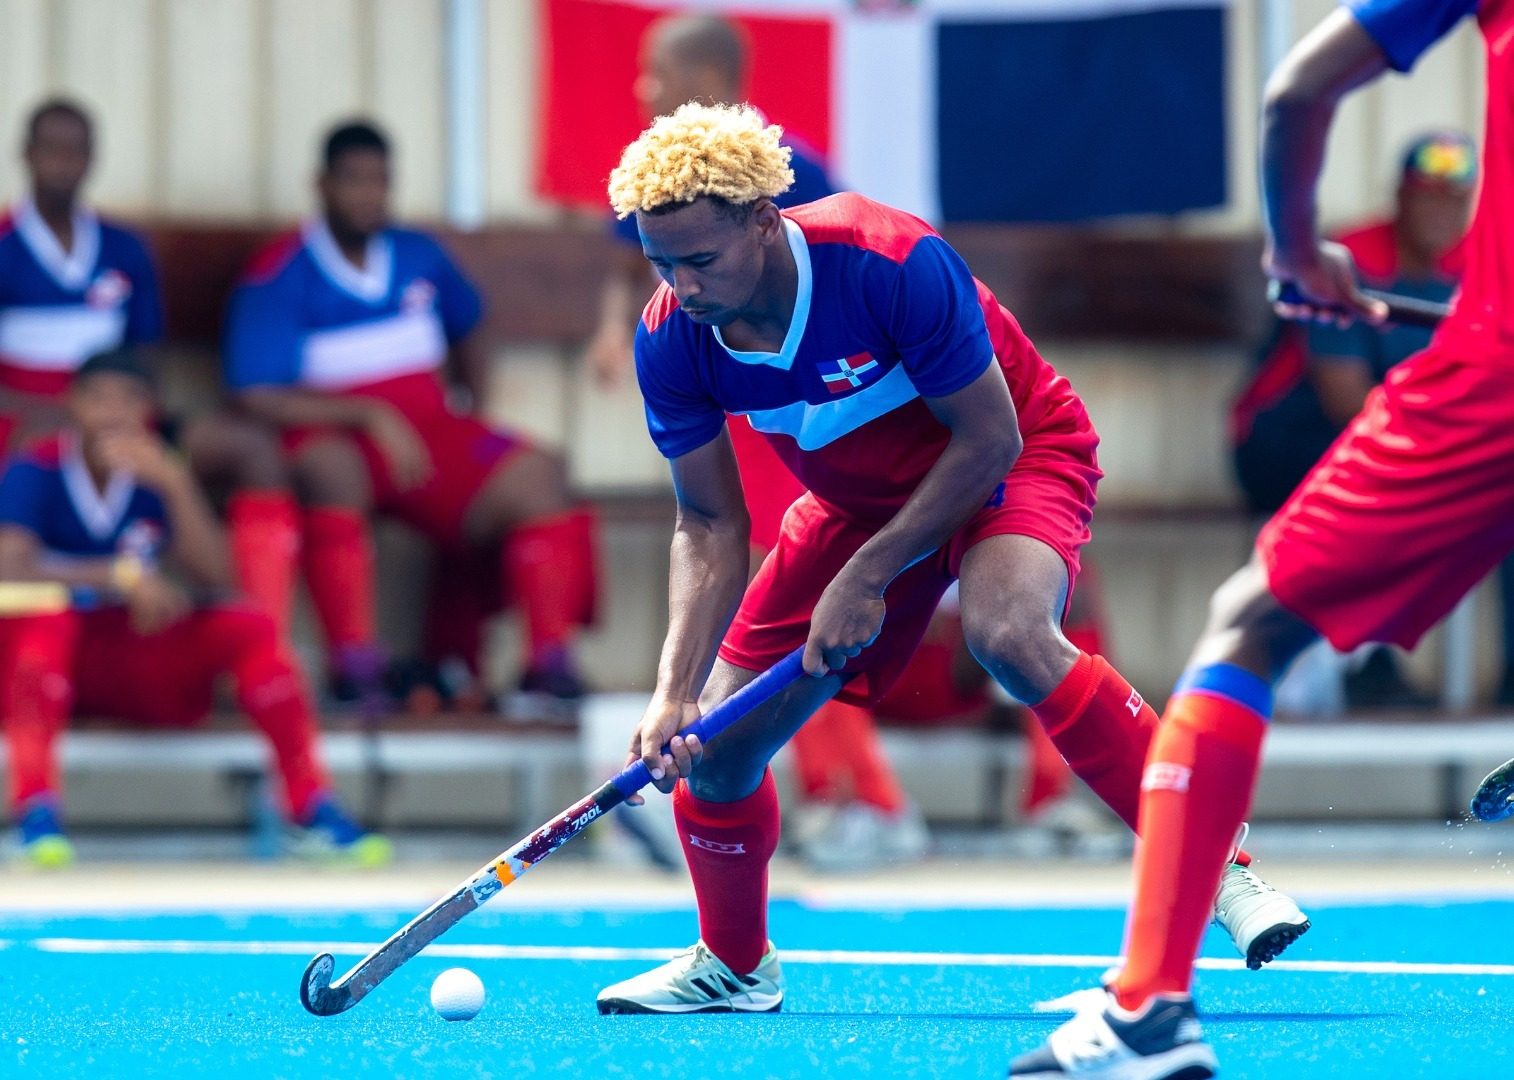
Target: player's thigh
x: 225, y: 447
x: 526, y: 483
x: 1014, y: 592
x: 152, y: 680
x: 330, y: 469
x: 734, y: 761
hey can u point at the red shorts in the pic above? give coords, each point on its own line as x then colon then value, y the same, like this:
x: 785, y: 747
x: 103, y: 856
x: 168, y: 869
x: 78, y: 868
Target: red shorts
x: 465, y: 452
x: 165, y: 680
x: 1048, y: 496
x: 1412, y: 506
x: 769, y: 487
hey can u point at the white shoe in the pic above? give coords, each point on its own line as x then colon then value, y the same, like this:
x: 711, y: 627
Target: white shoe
x: 858, y: 836
x: 1160, y: 1041
x: 1260, y: 920
x: 697, y: 981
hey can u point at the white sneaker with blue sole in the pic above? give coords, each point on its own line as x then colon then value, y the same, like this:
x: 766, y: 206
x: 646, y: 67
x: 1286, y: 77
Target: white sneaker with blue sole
x: 1160, y: 1041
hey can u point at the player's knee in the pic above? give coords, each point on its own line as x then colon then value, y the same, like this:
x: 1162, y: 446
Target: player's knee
x: 236, y: 449
x: 1248, y: 626
x: 1022, y: 647
x: 727, y: 779
x: 331, y: 472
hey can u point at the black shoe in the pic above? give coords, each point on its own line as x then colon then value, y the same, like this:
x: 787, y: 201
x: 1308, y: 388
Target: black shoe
x: 1380, y: 684
x: 1160, y: 1041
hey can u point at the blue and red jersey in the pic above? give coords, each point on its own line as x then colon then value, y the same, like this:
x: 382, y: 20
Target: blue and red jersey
x: 887, y: 315
x: 47, y: 490
x: 305, y: 316
x: 58, y: 308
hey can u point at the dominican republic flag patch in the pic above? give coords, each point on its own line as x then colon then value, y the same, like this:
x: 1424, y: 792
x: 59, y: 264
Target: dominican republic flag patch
x: 853, y: 373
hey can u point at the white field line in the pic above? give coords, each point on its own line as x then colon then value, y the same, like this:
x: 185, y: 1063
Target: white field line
x: 142, y: 946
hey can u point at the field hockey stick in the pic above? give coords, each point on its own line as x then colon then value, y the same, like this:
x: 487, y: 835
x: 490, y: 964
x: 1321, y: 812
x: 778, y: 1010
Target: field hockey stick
x: 1402, y: 310
x: 323, y: 997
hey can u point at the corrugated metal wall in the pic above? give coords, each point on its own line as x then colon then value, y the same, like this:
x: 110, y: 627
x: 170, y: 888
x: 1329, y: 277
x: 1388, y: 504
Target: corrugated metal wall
x: 212, y: 108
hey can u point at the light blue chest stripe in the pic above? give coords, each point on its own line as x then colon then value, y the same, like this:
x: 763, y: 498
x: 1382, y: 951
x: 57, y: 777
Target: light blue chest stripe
x: 814, y: 426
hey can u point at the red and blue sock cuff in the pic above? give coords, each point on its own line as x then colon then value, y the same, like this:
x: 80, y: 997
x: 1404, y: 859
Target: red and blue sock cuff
x: 1229, y: 682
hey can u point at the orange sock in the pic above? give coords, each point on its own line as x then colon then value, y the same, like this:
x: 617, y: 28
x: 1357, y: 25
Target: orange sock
x: 264, y: 528
x: 839, y: 757
x: 338, y: 558
x: 1103, y: 728
x: 1195, y: 791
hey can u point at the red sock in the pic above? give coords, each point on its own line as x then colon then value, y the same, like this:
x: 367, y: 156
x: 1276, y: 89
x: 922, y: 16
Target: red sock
x: 1195, y: 793
x: 264, y: 529
x: 1103, y: 728
x: 728, y: 847
x: 338, y: 558
x: 272, y: 694
x: 550, y: 571
x: 36, y: 660
x: 1049, y: 775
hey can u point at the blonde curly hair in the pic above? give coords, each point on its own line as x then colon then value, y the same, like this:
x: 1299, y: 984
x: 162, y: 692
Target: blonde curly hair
x: 725, y: 151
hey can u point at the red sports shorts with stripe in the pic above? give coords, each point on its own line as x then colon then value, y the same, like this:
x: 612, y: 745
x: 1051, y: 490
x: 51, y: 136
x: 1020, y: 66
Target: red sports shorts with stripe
x: 1411, y: 507
x: 465, y: 452
x: 1048, y: 496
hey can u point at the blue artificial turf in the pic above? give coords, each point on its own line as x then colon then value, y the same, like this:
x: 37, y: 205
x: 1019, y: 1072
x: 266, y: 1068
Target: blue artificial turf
x: 153, y: 1013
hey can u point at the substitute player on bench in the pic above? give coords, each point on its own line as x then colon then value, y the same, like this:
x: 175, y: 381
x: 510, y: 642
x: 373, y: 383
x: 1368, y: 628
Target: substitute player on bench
x: 1408, y: 511
x: 340, y: 336
x: 73, y: 285
x: 935, y: 443
x: 103, y: 505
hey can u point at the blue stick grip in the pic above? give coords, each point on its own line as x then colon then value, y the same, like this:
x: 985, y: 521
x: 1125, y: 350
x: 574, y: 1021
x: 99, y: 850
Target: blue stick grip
x: 635, y: 776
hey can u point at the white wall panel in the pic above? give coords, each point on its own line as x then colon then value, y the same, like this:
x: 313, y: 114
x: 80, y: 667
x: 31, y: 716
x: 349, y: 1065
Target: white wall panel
x: 24, y: 78
x: 407, y: 98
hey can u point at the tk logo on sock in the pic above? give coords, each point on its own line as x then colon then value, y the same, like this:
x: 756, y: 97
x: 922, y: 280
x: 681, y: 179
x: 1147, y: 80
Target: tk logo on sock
x: 1134, y: 703
x: 715, y: 846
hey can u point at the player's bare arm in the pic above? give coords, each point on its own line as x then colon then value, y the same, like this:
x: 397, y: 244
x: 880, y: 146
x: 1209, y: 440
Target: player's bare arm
x: 705, y: 582
x: 1337, y: 57
x: 468, y: 368
x: 199, y: 546
x: 288, y: 407
x: 985, y: 441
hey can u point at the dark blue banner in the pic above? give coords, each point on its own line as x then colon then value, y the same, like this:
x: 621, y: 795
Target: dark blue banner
x: 1084, y: 118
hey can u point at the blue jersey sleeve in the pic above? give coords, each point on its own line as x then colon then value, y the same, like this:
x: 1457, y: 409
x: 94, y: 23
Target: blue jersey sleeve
x: 144, y: 312
x: 22, y: 496
x: 1404, y: 29
x: 264, y: 335
x: 937, y: 323
x: 680, y: 416
x: 457, y: 301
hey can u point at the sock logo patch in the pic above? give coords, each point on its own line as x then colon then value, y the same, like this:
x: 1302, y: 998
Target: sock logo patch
x: 1134, y: 703
x: 716, y: 846
x: 1166, y: 776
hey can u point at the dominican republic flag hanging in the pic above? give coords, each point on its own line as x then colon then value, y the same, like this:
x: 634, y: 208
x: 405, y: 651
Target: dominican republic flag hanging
x: 959, y: 110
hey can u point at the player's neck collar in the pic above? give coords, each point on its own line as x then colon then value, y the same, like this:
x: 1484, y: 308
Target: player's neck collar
x: 71, y: 269
x: 371, y: 283
x: 100, y: 511
x: 783, y: 359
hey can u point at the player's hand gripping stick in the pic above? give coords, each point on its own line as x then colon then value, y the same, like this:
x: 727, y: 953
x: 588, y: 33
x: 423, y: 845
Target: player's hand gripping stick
x: 323, y: 997
x: 1402, y: 310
